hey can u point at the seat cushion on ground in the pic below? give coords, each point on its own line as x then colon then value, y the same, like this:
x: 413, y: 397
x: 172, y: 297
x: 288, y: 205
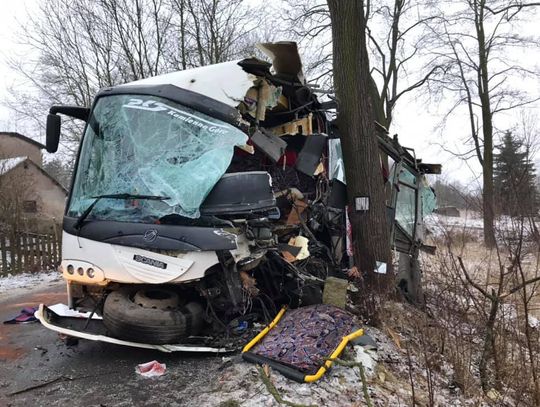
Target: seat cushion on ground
x: 306, y: 336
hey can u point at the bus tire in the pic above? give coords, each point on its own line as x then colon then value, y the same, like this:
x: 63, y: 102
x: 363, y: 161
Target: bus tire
x: 127, y: 320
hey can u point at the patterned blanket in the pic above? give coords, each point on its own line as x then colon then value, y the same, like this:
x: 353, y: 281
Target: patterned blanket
x: 305, y: 337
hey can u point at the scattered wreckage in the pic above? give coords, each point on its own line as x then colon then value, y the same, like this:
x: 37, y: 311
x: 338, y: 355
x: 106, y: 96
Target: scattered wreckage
x: 204, y: 200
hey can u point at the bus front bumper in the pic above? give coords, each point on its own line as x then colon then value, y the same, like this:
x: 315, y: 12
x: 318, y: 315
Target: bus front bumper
x: 94, y: 330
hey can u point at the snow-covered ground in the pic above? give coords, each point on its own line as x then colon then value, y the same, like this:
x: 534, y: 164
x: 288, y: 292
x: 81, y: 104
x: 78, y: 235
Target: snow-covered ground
x: 387, y: 374
x: 473, y: 223
x: 240, y: 383
x: 13, y: 282
x: 439, y: 225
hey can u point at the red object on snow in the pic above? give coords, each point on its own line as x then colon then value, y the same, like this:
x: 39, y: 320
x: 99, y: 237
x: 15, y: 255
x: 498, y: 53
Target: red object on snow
x: 151, y: 369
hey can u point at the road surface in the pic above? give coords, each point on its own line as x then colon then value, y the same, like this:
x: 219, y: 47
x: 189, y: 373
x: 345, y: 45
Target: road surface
x: 91, y: 373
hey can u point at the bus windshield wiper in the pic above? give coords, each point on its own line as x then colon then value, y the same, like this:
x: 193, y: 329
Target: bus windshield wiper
x: 97, y: 198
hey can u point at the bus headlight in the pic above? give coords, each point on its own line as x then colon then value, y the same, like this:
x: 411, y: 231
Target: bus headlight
x: 82, y: 272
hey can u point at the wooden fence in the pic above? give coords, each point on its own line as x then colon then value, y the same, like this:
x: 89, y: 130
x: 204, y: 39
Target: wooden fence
x: 29, y: 252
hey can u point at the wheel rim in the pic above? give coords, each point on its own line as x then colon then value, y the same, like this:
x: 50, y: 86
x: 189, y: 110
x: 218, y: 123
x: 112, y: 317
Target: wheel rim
x: 156, y: 298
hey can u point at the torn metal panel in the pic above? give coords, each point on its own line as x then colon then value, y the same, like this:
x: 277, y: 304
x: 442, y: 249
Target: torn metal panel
x: 338, y: 195
x: 271, y: 145
x: 336, y: 166
x: 255, y: 66
x: 285, y: 58
x: 310, y: 155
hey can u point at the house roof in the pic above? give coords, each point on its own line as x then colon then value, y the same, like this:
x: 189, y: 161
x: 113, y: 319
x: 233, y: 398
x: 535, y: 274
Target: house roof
x: 24, y: 138
x: 8, y: 164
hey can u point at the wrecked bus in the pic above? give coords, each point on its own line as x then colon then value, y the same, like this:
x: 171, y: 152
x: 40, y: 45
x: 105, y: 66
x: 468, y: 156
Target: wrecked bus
x: 204, y: 200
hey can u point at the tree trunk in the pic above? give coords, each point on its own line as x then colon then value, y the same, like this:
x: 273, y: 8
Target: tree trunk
x: 487, y: 130
x: 487, y: 198
x: 487, y: 192
x: 371, y: 229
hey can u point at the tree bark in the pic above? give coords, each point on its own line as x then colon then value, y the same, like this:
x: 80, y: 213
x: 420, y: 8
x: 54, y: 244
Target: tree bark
x: 371, y: 229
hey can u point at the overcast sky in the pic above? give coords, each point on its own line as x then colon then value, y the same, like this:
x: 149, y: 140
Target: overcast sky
x: 414, y: 121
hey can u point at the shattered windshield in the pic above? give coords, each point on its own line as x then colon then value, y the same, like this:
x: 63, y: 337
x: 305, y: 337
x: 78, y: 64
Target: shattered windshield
x: 146, y: 145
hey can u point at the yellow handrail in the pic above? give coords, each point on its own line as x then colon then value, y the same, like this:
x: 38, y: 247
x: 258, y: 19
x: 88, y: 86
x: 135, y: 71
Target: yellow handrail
x: 265, y: 330
x: 333, y: 356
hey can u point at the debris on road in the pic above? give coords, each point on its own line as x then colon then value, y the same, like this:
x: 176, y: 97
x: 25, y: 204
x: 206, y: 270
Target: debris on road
x: 61, y: 378
x: 26, y: 316
x: 151, y: 369
x: 64, y: 311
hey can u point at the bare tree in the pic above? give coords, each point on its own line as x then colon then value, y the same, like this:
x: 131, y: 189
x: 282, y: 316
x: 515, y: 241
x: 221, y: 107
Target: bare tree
x: 308, y: 22
x: 394, y: 49
x: 16, y: 187
x: 215, y: 30
x: 395, y: 29
x: 482, y: 302
x: 510, y: 279
x: 473, y: 40
x: 60, y: 170
x: 85, y: 45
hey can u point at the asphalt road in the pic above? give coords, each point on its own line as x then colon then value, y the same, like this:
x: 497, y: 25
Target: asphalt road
x: 90, y: 373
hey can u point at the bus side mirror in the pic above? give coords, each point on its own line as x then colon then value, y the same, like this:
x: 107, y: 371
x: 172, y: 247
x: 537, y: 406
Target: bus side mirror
x: 53, y: 132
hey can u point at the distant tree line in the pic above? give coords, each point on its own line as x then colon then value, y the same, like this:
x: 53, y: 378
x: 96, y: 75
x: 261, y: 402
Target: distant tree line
x: 453, y: 193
